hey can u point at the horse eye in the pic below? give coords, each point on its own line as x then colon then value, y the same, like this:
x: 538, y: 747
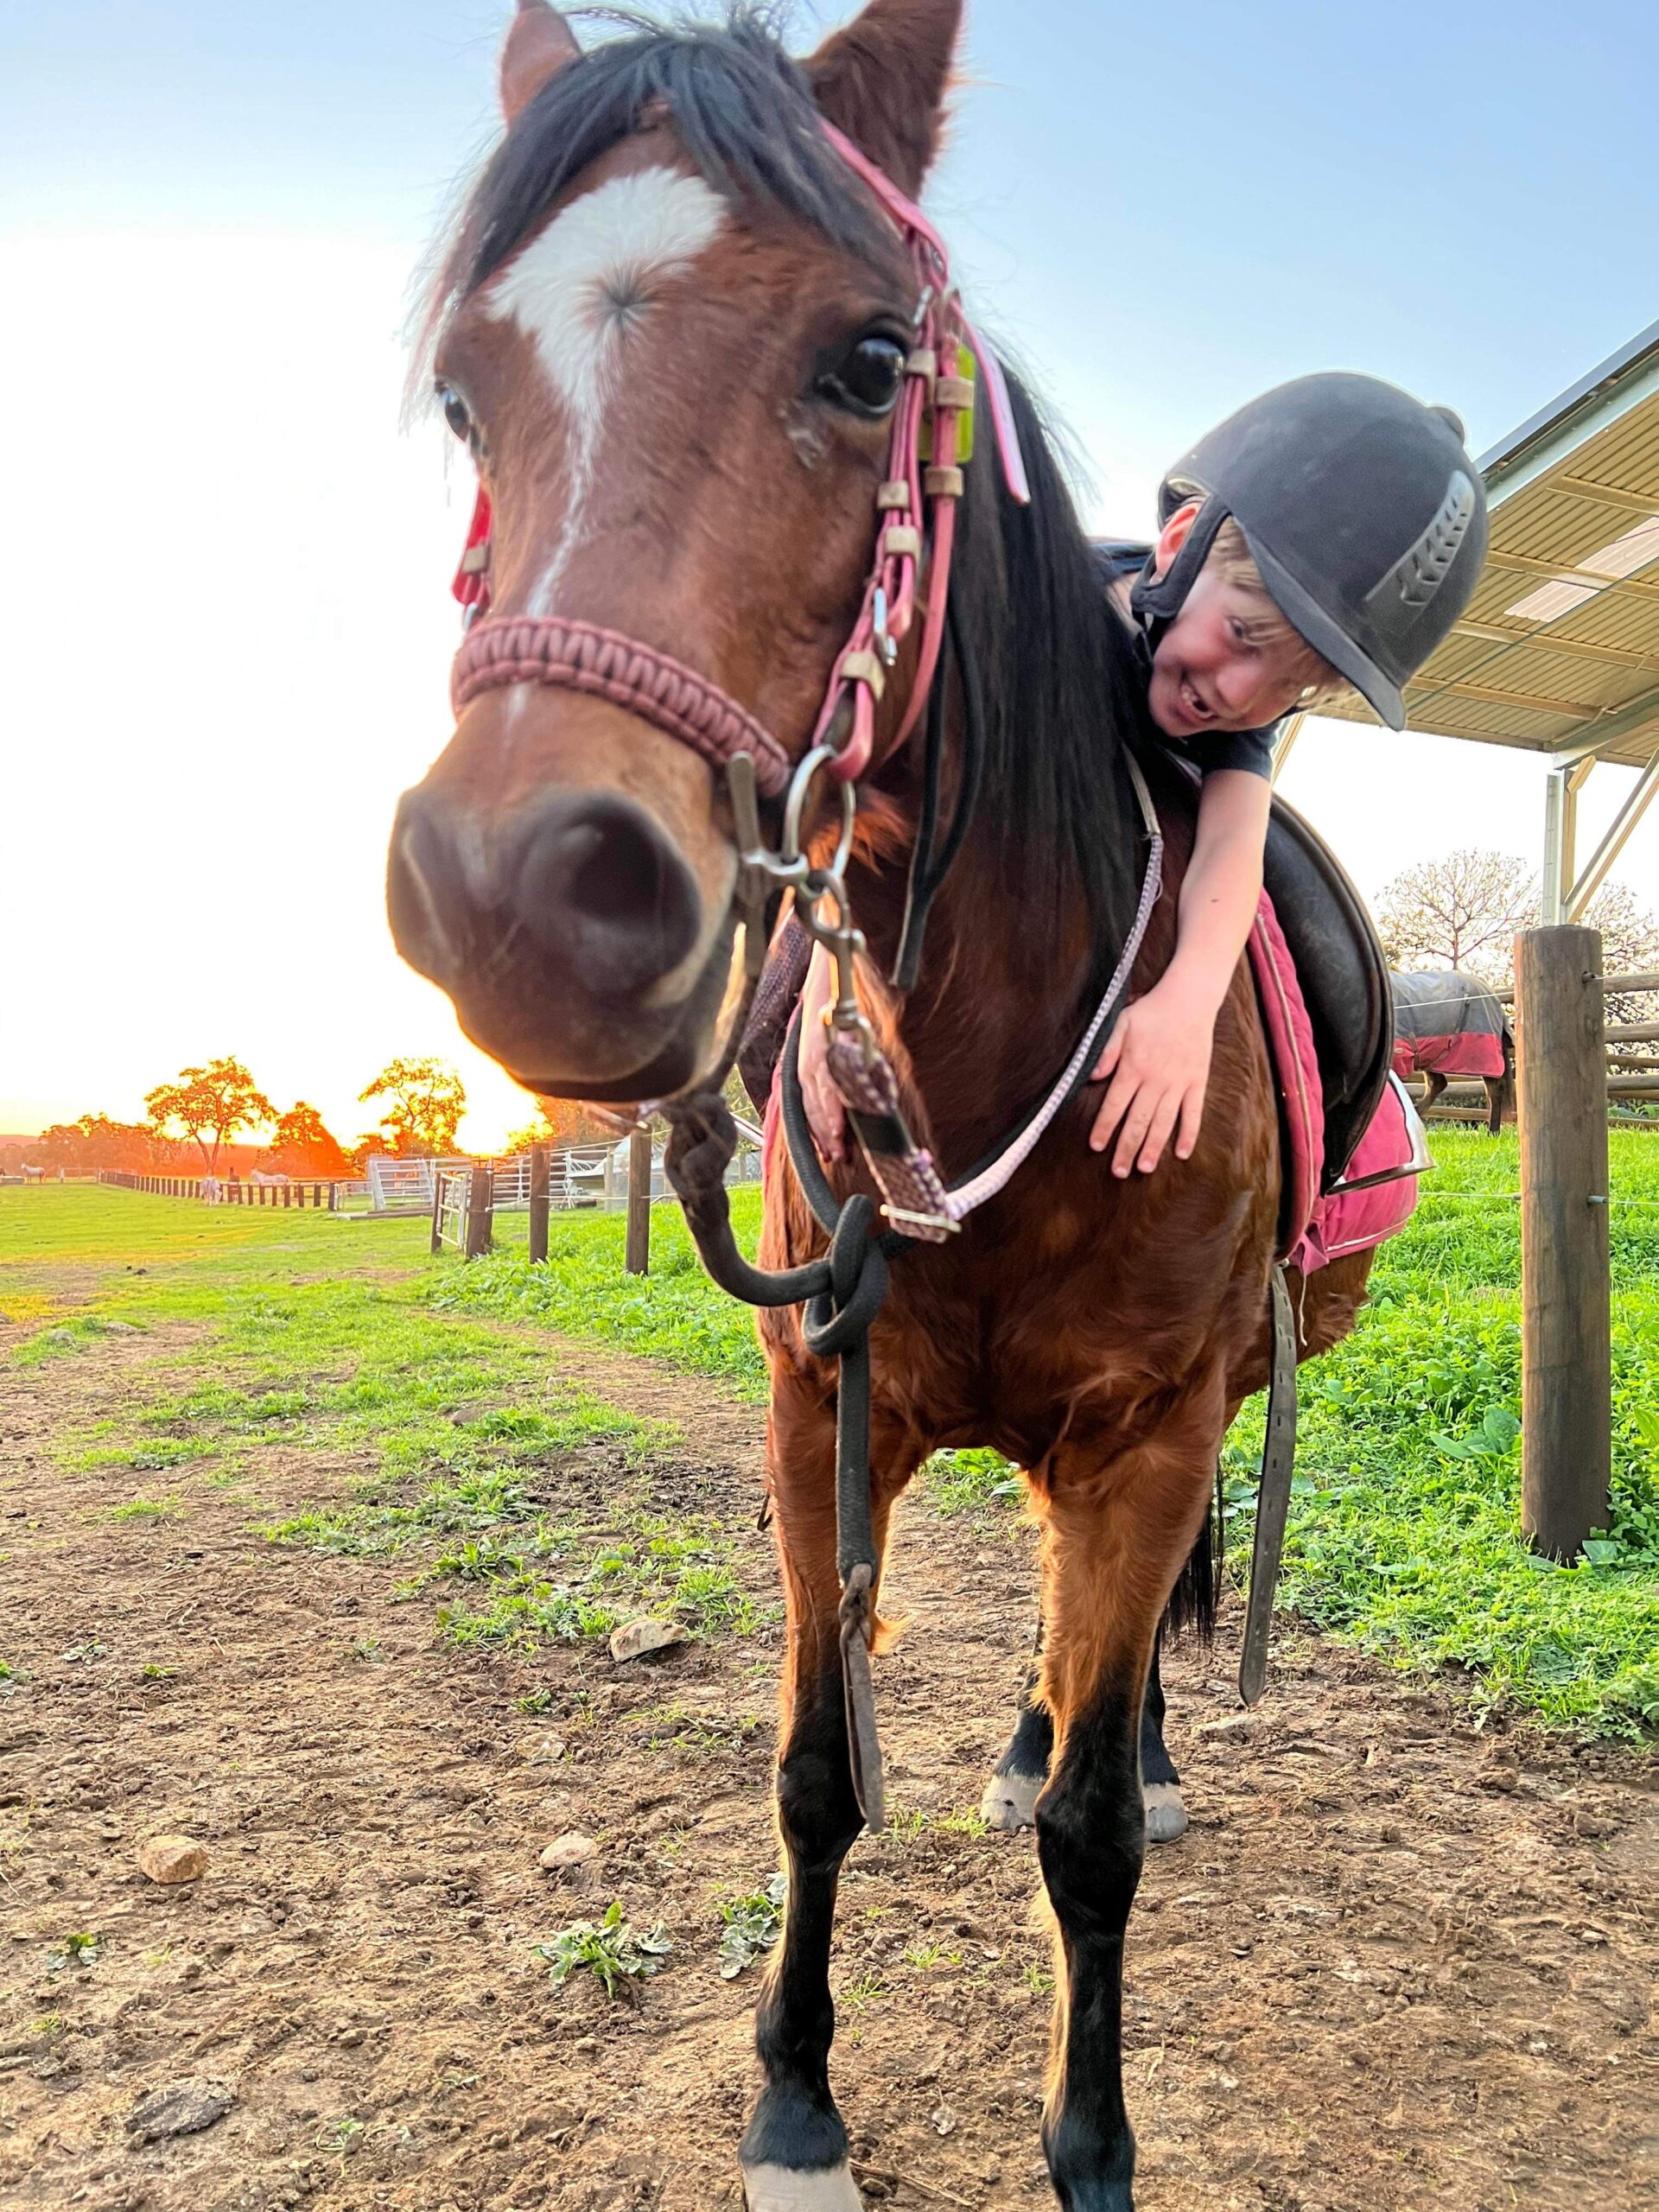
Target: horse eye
x: 455, y: 413
x: 869, y: 379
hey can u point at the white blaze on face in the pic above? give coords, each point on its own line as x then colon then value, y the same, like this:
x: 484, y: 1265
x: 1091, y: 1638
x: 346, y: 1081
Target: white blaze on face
x: 577, y: 292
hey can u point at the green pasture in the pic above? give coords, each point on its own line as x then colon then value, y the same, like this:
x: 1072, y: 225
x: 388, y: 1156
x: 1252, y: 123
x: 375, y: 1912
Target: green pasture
x: 330, y: 1336
x: 1406, y: 1531
x: 448, y: 1444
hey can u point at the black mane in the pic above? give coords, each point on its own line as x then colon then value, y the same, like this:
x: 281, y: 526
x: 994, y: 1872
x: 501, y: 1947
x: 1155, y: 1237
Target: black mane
x: 1062, y: 690
x: 1065, y: 696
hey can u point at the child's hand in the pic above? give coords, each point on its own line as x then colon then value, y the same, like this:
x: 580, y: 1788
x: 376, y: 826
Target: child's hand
x: 1158, y: 1057
x: 826, y: 1116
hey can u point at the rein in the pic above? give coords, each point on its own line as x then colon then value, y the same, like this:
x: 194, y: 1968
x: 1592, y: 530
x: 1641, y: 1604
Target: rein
x: 916, y: 506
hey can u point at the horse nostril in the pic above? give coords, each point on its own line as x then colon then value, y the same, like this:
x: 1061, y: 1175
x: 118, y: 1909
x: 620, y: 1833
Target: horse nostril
x: 600, y: 885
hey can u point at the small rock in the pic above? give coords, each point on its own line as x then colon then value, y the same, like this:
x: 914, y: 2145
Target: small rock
x: 183, y: 2108
x: 172, y: 1859
x: 1240, y: 1725
x: 123, y: 1329
x: 572, y: 1849
x: 639, y: 1638
x: 944, y: 2121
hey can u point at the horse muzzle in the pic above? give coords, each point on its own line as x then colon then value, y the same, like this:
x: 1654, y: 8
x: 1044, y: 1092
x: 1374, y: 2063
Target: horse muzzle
x: 562, y: 933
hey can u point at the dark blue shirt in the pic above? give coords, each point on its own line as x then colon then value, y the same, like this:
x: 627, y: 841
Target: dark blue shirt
x: 1208, y: 750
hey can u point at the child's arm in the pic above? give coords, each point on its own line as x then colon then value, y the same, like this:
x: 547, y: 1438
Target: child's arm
x: 1157, y: 1056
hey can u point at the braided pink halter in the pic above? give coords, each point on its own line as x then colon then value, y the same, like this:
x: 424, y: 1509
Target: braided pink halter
x: 938, y: 394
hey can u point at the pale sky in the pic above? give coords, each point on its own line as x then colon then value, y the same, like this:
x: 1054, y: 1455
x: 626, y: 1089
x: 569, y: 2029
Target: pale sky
x: 225, y: 619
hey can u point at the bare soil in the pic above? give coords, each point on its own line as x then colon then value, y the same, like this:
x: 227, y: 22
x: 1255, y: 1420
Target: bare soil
x: 1395, y: 1963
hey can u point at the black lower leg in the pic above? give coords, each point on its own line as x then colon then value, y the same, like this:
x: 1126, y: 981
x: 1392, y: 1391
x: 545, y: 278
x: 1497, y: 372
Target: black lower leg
x: 1091, y: 1838
x: 1156, y: 1765
x: 1032, y: 1745
x: 796, y: 2124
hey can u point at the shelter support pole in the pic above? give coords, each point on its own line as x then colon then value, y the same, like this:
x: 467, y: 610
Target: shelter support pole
x: 638, y: 1250
x: 1636, y: 803
x: 540, y: 1200
x: 1565, y: 1275
x: 1287, y: 744
x: 480, y: 1211
x: 1561, y: 834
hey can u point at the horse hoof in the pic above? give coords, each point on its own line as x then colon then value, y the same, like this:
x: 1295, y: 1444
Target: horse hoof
x: 1165, y: 1814
x: 772, y: 2188
x: 1010, y: 1801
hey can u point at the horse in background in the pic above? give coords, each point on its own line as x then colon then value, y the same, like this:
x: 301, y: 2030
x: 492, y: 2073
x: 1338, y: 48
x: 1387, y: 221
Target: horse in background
x: 1449, y: 1027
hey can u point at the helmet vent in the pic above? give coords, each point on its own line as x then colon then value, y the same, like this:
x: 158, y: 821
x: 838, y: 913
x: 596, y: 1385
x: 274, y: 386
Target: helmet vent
x: 1419, y: 572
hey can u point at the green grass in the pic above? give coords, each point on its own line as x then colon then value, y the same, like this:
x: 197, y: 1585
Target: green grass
x: 673, y: 1314
x: 445, y: 1437
x: 1405, y: 1537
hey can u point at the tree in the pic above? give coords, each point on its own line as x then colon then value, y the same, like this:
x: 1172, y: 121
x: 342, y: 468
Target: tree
x: 301, y: 1145
x: 1629, y: 946
x: 95, y: 1141
x: 210, y: 1102
x: 425, y: 1101
x: 1462, y: 912
x: 560, y: 1122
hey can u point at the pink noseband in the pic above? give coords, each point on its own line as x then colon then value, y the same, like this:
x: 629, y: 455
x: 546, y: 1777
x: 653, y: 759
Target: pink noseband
x: 938, y: 394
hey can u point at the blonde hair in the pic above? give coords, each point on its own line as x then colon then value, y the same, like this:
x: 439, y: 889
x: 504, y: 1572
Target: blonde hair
x: 1230, y: 558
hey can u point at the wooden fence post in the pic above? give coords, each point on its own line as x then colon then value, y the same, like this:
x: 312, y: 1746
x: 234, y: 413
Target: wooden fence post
x: 638, y: 1252
x: 1565, y: 1273
x: 480, y: 1211
x: 437, y: 1212
x: 540, y: 1201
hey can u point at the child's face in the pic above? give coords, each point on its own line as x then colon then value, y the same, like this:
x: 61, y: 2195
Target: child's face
x: 1206, y: 674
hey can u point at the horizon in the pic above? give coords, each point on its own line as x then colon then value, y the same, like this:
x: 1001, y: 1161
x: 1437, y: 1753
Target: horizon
x: 215, y: 220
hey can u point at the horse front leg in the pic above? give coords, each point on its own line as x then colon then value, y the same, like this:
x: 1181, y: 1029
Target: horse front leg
x: 1114, y: 1544
x: 795, y: 2154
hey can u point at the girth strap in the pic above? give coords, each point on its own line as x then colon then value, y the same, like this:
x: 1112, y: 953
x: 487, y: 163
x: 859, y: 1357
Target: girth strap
x: 1273, y: 1498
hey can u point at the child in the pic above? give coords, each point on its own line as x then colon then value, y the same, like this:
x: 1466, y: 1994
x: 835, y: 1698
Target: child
x: 1326, y: 537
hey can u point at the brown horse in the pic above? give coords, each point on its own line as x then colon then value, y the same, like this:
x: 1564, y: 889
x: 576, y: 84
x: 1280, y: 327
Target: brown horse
x: 673, y: 327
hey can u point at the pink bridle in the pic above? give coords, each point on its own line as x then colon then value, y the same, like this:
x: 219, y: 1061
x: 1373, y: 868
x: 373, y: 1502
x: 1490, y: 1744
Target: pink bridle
x: 579, y: 656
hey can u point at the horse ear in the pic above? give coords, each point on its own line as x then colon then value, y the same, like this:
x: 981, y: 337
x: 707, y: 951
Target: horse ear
x: 882, y: 81
x: 538, y: 45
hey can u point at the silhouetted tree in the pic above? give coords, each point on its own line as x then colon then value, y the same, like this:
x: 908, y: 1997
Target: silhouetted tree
x: 209, y: 1105
x: 425, y: 1101
x: 301, y: 1145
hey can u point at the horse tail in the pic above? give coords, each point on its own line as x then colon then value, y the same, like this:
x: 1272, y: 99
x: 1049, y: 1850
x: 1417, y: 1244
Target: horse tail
x: 1196, y: 1599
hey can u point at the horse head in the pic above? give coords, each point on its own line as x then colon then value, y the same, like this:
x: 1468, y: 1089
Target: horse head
x: 671, y: 327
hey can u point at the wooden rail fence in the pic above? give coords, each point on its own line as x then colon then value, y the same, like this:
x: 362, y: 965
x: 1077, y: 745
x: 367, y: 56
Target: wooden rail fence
x: 229, y: 1191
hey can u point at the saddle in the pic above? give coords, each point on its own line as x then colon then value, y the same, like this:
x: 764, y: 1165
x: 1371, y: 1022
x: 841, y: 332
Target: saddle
x: 1343, y: 976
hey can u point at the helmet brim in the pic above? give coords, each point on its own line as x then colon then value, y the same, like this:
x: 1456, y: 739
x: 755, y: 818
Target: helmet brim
x: 1311, y: 622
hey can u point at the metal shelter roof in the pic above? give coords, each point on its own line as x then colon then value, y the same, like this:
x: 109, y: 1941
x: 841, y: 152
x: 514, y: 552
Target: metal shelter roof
x: 1559, y: 649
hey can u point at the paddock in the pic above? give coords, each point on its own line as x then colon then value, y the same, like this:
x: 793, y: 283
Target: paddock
x: 277, y: 1479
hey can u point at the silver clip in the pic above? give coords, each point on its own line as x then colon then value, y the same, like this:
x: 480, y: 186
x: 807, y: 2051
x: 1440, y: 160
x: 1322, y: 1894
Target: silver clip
x: 885, y: 643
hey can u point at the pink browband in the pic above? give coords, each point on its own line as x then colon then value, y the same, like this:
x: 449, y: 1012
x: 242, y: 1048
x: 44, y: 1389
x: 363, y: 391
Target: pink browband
x: 938, y: 394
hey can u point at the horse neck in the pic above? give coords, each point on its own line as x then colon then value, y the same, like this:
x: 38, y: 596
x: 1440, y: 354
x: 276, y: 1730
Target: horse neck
x: 1007, y: 981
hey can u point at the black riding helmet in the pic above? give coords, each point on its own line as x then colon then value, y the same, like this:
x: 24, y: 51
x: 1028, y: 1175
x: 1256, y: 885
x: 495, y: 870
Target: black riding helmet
x: 1362, y: 512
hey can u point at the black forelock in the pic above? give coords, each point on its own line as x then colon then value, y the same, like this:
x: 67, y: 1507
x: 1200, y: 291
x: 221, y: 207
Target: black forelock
x: 738, y: 103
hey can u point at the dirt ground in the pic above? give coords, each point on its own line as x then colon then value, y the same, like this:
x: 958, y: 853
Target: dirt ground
x: 1394, y: 1964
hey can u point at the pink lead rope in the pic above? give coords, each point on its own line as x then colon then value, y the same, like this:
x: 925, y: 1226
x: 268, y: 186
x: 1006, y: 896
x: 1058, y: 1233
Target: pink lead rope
x: 503, y: 650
